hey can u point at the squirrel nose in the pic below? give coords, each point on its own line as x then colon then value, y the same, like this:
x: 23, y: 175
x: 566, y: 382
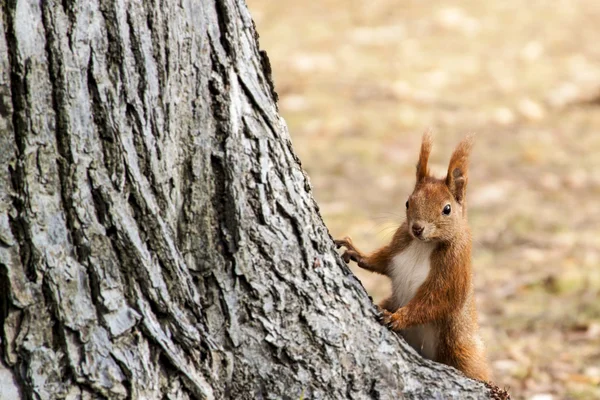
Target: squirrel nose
x: 417, y: 229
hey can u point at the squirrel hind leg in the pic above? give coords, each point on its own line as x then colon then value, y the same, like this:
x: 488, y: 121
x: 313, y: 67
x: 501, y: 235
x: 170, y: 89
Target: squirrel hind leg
x: 469, y: 359
x: 477, y: 369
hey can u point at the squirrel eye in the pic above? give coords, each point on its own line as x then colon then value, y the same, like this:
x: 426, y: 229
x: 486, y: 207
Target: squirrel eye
x: 407, y: 204
x: 447, y: 209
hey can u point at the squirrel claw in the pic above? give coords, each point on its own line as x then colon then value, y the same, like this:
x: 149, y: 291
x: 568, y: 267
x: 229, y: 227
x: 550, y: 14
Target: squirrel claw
x: 385, y: 318
x: 345, y: 242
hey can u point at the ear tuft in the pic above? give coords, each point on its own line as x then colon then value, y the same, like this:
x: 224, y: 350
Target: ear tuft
x: 422, y: 169
x: 456, y: 180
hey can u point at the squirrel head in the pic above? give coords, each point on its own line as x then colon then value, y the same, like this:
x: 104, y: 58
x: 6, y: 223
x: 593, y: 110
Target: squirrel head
x: 436, y: 209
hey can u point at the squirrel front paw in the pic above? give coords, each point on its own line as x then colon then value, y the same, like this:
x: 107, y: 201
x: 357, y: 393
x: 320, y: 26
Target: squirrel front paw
x: 394, y: 321
x: 351, y: 252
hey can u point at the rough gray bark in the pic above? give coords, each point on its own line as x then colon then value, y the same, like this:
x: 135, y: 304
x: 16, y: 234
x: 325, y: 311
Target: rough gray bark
x: 158, y: 237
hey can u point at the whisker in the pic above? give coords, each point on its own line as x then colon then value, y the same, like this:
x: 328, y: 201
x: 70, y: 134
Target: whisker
x: 386, y: 233
x: 387, y: 215
x: 387, y: 228
x: 379, y: 229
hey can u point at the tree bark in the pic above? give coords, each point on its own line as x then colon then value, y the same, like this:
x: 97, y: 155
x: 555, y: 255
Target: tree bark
x: 158, y: 237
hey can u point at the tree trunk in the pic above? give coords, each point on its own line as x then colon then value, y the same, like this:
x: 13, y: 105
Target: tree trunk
x: 158, y: 237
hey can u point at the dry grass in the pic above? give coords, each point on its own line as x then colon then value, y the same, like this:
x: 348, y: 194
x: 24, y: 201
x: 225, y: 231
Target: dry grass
x: 360, y: 80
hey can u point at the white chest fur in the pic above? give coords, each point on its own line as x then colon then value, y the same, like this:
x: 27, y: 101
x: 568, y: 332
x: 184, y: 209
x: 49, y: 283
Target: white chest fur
x: 409, y: 270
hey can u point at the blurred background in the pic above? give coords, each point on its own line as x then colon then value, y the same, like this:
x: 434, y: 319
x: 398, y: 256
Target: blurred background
x: 359, y: 82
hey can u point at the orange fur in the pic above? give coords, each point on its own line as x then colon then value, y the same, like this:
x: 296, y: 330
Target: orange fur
x: 444, y: 300
x: 422, y: 168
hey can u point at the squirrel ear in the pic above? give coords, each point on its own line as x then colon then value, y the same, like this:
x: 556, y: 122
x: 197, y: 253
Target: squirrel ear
x: 422, y: 170
x: 456, y: 180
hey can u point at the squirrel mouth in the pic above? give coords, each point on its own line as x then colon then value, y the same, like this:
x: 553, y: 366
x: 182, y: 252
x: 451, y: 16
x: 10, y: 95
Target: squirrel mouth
x: 418, y: 237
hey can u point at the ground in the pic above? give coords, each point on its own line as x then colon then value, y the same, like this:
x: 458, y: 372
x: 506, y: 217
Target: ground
x: 359, y: 82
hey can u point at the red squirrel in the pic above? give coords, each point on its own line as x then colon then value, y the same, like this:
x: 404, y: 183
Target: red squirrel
x: 429, y: 264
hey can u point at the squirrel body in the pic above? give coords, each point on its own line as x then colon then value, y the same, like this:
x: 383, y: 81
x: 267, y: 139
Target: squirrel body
x: 429, y: 263
x: 408, y: 270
